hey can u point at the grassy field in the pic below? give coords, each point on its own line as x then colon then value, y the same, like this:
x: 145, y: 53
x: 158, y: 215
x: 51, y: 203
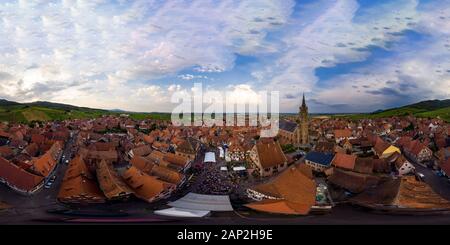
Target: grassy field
x: 443, y: 113
x: 29, y: 113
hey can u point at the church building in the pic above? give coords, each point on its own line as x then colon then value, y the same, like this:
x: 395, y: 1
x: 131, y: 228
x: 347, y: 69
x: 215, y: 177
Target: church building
x: 295, y: 133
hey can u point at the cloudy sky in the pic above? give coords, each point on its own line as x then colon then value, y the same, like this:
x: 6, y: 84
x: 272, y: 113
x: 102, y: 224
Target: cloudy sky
x: 345, y: 55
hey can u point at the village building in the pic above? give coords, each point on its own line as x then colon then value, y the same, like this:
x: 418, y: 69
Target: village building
x: 292, y: 192
x: 418, y: 152
x: 404, y: 194
x: 383, y: 149
x: 295, y: 133
x: 79, y: 185
x: 143, y: 150
x: 146, y: 187
x: 344, y: 161
x: 112, y: 185
x: 318, y: 161
x: 163, y: 173
x: 342, y: 134
x: 268, y: 157
x: 352, y: 181
x: 188, y: 148
x: 401, y: 164
x: 19, y: 179
x: 325, y: 147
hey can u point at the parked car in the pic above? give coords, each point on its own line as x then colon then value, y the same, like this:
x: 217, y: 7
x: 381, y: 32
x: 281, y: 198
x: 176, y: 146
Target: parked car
x: 420, y: 176
x: 48, y: 185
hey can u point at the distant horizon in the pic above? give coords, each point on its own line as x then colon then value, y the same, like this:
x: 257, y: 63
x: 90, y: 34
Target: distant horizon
x: 118, y: 110
x: 345, y: 56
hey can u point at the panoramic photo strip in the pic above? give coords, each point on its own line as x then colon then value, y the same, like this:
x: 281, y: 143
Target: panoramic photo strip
x: 203, y: 113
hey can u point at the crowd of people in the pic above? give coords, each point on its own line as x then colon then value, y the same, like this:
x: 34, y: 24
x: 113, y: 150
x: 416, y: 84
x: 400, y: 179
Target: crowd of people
x: 214, y: 181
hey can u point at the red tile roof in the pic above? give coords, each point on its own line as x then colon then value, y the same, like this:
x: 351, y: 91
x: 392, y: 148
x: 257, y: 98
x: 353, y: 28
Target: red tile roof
x: 45, y: 164
x: 145, y: 186
x: 17, y: 177
x: 270, y: 153
x: 344, y: 161
x: 342, y: 133
x: 294, y: 188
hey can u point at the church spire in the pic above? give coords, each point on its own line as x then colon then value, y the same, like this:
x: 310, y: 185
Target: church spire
x: 303, y: 101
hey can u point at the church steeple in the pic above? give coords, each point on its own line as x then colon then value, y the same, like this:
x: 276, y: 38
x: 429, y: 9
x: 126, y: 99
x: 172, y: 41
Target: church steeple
x: 303, y: 133
x: 303, y: 101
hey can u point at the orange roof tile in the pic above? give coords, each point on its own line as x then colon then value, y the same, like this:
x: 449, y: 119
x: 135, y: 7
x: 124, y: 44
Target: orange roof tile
x: 176, y: 159
x: 295, y: 186
x: 345, y: 161
x: 17, y: 177
x: 110, y: 183
x: 279, y: 207
x: 342, y: 133
x: 45, y: 164
x: 144, y: 186
x: 80, y: 190
x: 270, y: 153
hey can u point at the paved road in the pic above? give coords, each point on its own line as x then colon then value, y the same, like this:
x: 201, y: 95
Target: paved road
x: 440, y: 185
x: 37, y: 204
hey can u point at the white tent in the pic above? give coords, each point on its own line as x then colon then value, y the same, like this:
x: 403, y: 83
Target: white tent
x: 210, y: 157
x: 193, y: 201
x: 223, y: 168
x: 180, y: 212
x: 240, y: 168
x: 221, y: 152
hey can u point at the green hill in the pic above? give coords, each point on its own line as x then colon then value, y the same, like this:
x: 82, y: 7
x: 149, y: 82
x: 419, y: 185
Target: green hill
x: 48, y: 111
x: 429, y: 108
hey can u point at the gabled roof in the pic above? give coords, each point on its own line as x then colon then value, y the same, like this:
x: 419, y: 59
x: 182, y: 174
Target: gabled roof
x: 294, y: 188
x: 279, y: 207
x: 352, y: 181
x: 176, y: 159
x: 270, y: 153
x: 415, y: 147
x: 145, y: 186
x: 80, y: 190
x: 110, y: 183
x: 188, y: 146
x: 319, y: 158
x: 324, y: 146
x: 17, y: 177
x: 77, y: 167
x: 364, y: 165
x: 403, y: 193
x: 287, y: 125
x: 143, y: 150
x: 342, y: 133
x: 381, y: 146
x: 45, y: 164
x: 344, y: 161
x: 161, y: 172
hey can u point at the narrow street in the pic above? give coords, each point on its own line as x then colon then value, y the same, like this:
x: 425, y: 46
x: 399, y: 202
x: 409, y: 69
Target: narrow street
x: 440, y: 185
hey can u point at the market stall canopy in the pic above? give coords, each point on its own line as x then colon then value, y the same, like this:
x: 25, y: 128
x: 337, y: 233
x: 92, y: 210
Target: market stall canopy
x: 180, y: 212
x: 193, y: 201
x: 240, y: 168
x: 210, y: 157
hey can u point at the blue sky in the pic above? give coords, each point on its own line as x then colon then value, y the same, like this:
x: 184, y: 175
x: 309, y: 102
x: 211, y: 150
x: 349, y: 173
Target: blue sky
x: 345, y: 55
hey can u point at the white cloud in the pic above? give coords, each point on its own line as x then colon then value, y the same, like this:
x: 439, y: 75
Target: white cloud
x: 111, y: 46
x: 191, y: 77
